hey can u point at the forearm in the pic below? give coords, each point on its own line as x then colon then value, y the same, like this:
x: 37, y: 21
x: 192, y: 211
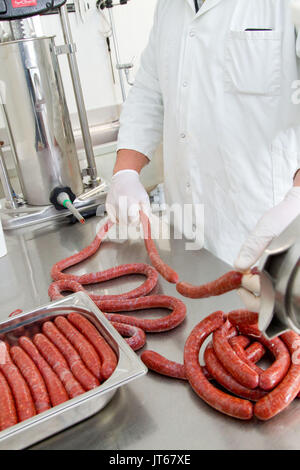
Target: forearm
x: 131, y: 160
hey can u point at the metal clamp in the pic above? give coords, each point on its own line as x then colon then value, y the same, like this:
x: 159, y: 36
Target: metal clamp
x: 65, y: 49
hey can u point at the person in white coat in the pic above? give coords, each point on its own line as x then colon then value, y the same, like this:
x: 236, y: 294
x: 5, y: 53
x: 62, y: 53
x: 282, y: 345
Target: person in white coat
x: 218, y: 85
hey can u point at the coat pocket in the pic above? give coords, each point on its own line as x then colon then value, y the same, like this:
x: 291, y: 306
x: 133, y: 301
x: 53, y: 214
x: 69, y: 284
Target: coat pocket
x: 253, y: 62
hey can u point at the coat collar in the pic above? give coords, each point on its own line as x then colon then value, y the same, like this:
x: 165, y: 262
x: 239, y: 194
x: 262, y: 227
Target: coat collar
x: 208, y: 5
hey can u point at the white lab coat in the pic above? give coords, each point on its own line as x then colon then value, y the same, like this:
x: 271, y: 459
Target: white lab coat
x: 220, y: 98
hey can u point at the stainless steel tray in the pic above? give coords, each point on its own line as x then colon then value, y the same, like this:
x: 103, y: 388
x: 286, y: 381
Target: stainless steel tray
x: 77, y: 409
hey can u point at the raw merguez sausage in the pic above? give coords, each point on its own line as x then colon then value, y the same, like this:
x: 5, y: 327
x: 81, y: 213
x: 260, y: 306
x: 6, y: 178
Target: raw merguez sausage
x: 161, y: 365
x: 134, y: 300
x: 167, y: 273
x: 77, y: 367
x: 227, y: 404
x: 84, y: 348
x: 241, y: 371
x: 107, y: 355
x: 8, y: 414
x: 226, y: 283
x: 57, y: 361
x: 33, y: 378
x: 135, y: 337
x: 277, y: 400
x: 57, y: 391
x: 223, y: 377
x: 175, y: 318
x: 20, y: 390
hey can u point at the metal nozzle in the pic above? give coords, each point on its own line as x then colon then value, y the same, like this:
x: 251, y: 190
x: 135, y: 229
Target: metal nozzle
x: 64, y: 200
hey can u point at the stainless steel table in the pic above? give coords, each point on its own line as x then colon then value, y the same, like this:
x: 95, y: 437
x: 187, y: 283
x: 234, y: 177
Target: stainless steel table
x: 154, y: 412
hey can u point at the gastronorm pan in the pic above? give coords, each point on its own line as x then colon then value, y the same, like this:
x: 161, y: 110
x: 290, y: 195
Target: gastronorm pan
x: 67, y: 414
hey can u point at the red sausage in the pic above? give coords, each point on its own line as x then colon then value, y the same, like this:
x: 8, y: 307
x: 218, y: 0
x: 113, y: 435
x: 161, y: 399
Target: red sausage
x: 217, y: 371
x: 167, y: 273
x: 240, y: 352
x: 175, y: 318
x: 107, y: 355
x: 56, y: 271
x: 59, y: 365
x: 21, y: 393
x: 166, y: 323
x: 232, y: 406
x: 57, y: 391
x: 78, y: 369
x: 84, y: 348
x: 242, y: 317
x: 161, y: 365
x: 276, y: 372
x: 158, y: 363
x: 8, y: 414
x: 245, y: 375
x: 33, y: 378
x: 226, y: 283
x: 241, y: 340
x: 279, y: 398
x: 102, y: 276
x: 255, y: 352
x: 135, y: 337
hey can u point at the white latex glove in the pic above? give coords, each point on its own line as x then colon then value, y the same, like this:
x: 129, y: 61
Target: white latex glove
x: 126, y: 197
x: 270, y: 226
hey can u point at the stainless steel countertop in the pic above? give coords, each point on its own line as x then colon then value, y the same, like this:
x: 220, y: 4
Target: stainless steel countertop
x: 155, y: 412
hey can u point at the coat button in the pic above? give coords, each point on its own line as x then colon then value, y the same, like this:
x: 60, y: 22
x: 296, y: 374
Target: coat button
x: 192, y: 33
x: 182, y: 135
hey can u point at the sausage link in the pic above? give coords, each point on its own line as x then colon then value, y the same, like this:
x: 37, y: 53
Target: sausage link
x: 245, y: 375
x: 57, y: 361
x: 272, y: 376
x: 240, y: 352
x: 163, y: 366
x: 279, y: 398
x: 56, y: 390
x: 167, y: 273
x: 226, y: 283
x: 56, y: 271
x: 135, y: 337
x: 107, y: 355
x: 243, y: 317
x: 158, y: 363
x: 175, y: 318
x: 33, y: 378
x: 78, y: 369
x: 241, y: 340
x: 8, y: 414
x: 102, y: 276
x: 278, y: 370
x: 84, y: 348
x: 20, y: 390
x: 232, y: 406
x: 220, y: 374
x: 255, y: 352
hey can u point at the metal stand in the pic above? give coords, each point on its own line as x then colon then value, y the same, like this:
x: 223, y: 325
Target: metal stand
x: 65, y: 24
x: 121, y: 67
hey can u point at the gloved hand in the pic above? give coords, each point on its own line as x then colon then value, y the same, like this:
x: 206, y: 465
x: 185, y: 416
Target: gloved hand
x: 126, y: 197
x: 270, y: 226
